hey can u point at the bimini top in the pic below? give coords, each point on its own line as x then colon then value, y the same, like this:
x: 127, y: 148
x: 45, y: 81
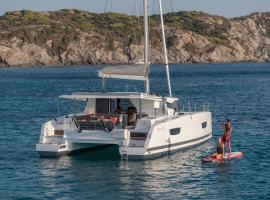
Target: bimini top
x: 130, y: 72
x: 116, y: 95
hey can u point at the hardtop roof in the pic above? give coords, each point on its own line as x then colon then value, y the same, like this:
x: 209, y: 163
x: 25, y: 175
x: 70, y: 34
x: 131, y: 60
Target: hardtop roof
x: 115, y: 95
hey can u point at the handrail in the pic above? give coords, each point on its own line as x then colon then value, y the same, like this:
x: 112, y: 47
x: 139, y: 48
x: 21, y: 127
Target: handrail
x: 197, y: 107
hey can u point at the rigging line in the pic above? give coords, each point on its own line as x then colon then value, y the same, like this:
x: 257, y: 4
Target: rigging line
x: 111, y: 5
x: 137, y: 13
x: 105, y: 8
x: 140, y: 23
x: 172, y: 5
x: 133, y: 28
x: 149, y: 31
x: 165, y: 48
x: 140, y: 16
x: 153, y: 7
x: 149, y: 26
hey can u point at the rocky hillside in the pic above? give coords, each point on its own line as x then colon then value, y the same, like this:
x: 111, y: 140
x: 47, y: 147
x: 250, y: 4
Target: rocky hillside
x: 69, y: 37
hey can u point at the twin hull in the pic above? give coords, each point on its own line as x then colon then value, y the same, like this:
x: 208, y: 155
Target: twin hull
x: 168, y: 135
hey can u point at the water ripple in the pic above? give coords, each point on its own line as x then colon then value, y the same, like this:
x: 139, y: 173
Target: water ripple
x: 238, y: 91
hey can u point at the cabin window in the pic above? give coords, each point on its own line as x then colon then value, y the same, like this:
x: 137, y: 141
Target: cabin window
x: 102, y: 106
x: 204, y: 124
x: 175, y: 131
x: 138, y: 135
x: 105, y: 106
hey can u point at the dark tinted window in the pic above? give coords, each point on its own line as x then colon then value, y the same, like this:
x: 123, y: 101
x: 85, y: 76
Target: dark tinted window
x: 105, y: 106
x: 175, y: 131
x: 102, y: 106
x: 204, y: 124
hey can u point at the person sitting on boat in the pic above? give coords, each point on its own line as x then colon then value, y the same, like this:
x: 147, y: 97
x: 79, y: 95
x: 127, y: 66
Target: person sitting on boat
x: 220, y: 151
x: 227, y: 134
x: 132, y: 118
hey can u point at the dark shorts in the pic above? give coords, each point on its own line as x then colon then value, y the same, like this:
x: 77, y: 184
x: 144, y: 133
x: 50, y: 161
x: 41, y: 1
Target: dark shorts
x: 226, y: 139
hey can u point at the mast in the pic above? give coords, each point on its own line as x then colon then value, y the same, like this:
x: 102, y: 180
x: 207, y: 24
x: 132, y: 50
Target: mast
x: 146, y: 43
x: 165, y: 49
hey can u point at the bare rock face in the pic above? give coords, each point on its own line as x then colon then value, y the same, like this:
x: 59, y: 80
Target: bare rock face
x: 14, y: 54
x: 72, y: 37
x: 90, y: 49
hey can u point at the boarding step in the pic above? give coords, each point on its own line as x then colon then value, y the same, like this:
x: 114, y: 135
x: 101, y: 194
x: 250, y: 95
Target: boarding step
x: 124, y: 155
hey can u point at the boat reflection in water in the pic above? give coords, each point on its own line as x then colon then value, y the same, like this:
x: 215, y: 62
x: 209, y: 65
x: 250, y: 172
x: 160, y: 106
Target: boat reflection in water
x: 182, y: 171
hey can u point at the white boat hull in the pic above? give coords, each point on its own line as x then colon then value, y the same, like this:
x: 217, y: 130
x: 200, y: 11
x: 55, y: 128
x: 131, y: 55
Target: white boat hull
x: 160, y: 142
x: 146, y: 155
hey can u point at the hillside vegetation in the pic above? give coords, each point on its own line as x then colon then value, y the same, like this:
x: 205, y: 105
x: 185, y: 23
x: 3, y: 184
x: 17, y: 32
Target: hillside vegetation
x: 68, y: 37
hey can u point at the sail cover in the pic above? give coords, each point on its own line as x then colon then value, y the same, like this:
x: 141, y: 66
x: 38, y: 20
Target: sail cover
x: 130, y: 72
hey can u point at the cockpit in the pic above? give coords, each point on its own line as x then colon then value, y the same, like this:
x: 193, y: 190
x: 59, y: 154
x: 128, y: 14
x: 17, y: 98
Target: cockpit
x: 104, y: 111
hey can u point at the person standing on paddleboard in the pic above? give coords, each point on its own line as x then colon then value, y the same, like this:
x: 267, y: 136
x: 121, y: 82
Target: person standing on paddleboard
x: 226, y: 139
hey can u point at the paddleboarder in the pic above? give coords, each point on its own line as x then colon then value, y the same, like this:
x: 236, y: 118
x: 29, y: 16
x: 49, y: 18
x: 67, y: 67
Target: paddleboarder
x: 220, y: 151
x: 226, y: 139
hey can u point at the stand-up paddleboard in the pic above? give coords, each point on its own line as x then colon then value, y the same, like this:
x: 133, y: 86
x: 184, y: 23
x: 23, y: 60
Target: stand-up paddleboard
x: 234, y: 155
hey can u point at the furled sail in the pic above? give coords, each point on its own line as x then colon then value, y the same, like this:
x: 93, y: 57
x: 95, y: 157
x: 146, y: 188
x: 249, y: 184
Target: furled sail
x: 130, y: 72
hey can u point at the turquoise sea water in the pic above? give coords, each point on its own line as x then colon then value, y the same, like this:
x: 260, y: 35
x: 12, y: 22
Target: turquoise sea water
x: 237, y: 91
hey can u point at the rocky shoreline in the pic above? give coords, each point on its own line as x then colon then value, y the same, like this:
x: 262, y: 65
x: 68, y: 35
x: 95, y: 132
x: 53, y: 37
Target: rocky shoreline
x: 74, y: 37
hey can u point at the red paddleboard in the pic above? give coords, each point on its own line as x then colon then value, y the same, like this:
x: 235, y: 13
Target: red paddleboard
x: 234, y: 155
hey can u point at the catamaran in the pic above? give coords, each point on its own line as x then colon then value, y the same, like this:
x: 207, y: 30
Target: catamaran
x: 141, y: 124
